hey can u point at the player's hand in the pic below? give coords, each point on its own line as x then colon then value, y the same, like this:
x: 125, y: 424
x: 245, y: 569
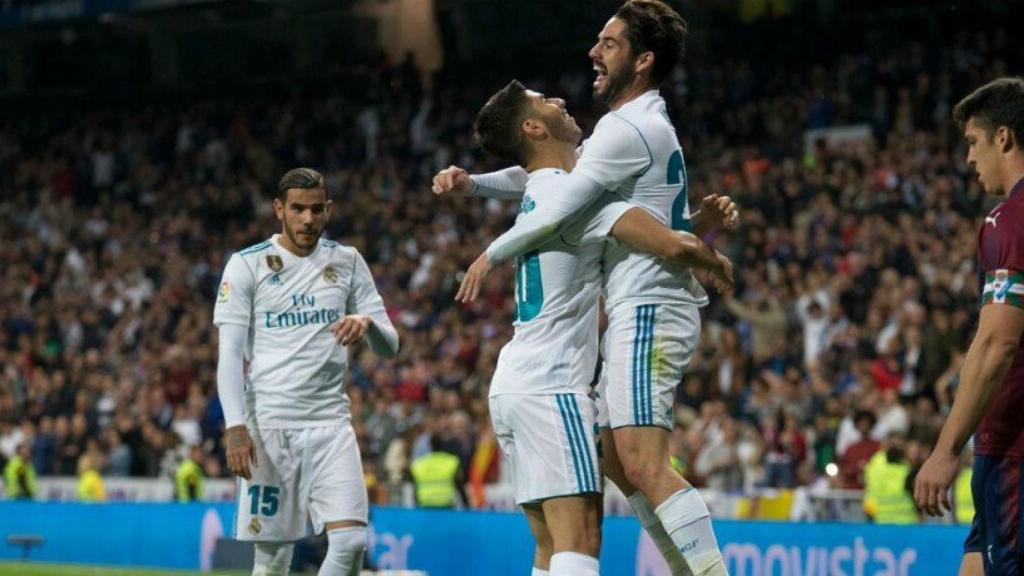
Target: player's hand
x: 351, y: 329
x: 931, y: 489
x: 722, y: 276
x: 474, y: 279
x: 452, y: 179
x: 240, y: 451
x: 719, y: 212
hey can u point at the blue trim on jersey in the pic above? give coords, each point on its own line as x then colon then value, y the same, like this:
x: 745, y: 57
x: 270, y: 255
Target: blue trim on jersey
x: 591, y: 470
x: 255, y: 248
x: 328, y: 243
x: 642, y: 139
x: 573, y: 448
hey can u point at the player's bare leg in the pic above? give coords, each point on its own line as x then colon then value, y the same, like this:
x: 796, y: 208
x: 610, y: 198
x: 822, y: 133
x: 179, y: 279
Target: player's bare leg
x: 972, y: 565
x: 542, y: 536
x: 642, y: 507
x: 644, y: 457
x: 346, y: 545
x: 574, y: 523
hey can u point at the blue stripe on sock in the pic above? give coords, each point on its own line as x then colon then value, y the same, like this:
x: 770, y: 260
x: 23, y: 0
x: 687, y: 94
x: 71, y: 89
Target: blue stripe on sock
x: 591, y: 470
x: 572, y: 441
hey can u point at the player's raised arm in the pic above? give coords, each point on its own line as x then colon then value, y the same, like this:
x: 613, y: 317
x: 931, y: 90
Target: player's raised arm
x: 988, y: 360
x: 506, y: 184
x: 534, y: 227
x: 233, y: 315
x: 366, y: 316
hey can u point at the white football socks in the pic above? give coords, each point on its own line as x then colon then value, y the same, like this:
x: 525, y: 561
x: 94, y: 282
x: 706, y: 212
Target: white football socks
x: 573, y: 564
x: 652, y: 525
x: 688, y: 522
x: 345, y: 548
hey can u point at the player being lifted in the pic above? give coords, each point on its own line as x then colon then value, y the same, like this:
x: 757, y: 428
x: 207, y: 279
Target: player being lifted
x: 542, y: 414
x: 289, y: 306
x: 991, y: 390
x: 654, y: 319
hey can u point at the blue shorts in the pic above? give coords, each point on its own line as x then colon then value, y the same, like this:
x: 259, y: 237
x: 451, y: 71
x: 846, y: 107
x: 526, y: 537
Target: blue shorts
x: 996, y: 529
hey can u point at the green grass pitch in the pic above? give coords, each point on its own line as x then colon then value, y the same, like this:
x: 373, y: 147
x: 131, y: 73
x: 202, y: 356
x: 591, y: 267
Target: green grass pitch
x: 41, y: 569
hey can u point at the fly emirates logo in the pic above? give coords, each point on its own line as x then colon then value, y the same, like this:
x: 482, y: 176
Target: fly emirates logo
x: 303, y: 312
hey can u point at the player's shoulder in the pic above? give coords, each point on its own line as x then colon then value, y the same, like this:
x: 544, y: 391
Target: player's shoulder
x: 338, y: 253
x: 255, y: 249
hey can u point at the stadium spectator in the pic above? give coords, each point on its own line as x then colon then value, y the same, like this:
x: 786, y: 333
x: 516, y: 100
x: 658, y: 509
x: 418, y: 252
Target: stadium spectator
x: 20, y: 475
x: 189, y: 477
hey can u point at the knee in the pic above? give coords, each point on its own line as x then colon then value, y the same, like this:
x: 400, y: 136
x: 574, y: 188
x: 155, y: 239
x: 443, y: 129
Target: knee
x: 272, y: 559
x: 640, y: 472
x: 346, y: 541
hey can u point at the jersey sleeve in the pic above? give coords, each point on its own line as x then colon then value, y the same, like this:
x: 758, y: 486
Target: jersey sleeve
x: 506, y: 184
x: 597, y: 221
x: 615, y: 152
x: 363, y: 298
x: 541, y: 221
x: 235, y: 294
x: 1003, y: 258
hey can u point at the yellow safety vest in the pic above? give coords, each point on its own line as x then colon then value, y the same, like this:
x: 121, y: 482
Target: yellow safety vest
x: 964, y: 499
x: 188, y: 481
x: 434, y: 474
x: 90, y: 487
x: 20, y: 474
x: 885, y: 492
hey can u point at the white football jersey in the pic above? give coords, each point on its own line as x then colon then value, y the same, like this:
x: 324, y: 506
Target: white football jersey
x: 634, y: 151
x: 296, y: 368
x: 554, y: 348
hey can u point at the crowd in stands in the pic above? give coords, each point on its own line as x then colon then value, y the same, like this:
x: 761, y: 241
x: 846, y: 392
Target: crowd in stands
x: 856, y: 294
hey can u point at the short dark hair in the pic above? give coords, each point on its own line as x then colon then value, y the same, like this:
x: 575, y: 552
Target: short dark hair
x: 498, y: 125
x: 304, y: 178
x: 998, y: 103
x: 652, y: 25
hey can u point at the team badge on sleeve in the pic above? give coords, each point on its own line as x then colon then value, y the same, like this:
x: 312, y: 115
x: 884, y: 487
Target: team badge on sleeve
x: 1004, y: 287
x: 223, y: 292
x: 274, y: 262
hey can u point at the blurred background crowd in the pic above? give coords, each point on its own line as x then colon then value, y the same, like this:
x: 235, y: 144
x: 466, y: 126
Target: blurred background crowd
x: 857, y: 283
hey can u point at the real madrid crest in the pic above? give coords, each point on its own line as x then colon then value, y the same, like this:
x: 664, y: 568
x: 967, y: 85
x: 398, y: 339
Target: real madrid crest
x: 330, y: 275
x: 275, y: 262
x: 255, y: 527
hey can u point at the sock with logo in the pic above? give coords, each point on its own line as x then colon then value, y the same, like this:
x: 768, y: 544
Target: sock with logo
x: 652, y: 525
x: 688, y: 522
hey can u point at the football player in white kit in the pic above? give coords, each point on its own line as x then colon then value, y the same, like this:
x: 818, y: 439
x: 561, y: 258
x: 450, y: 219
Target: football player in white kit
x: 286, y: 310
x: 540, y: 408
x: 654, y: 320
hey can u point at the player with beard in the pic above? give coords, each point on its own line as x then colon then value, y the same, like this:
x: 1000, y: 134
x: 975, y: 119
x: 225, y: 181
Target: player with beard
x: 654, y: 318
x: 991, y: 392
x: 288, y: 307
x: 542, y: 415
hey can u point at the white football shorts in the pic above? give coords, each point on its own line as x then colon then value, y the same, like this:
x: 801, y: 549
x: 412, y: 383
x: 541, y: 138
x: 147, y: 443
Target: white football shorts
x: 549, y: 442
x: 313, y: 474
x: 646, y: 349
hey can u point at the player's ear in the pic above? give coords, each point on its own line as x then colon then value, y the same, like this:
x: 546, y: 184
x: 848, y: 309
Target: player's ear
x: 534, y: 128
x: 1006, y: 139
x: 644, y: 61
x: 279, y: 208
x: 328, y: 208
